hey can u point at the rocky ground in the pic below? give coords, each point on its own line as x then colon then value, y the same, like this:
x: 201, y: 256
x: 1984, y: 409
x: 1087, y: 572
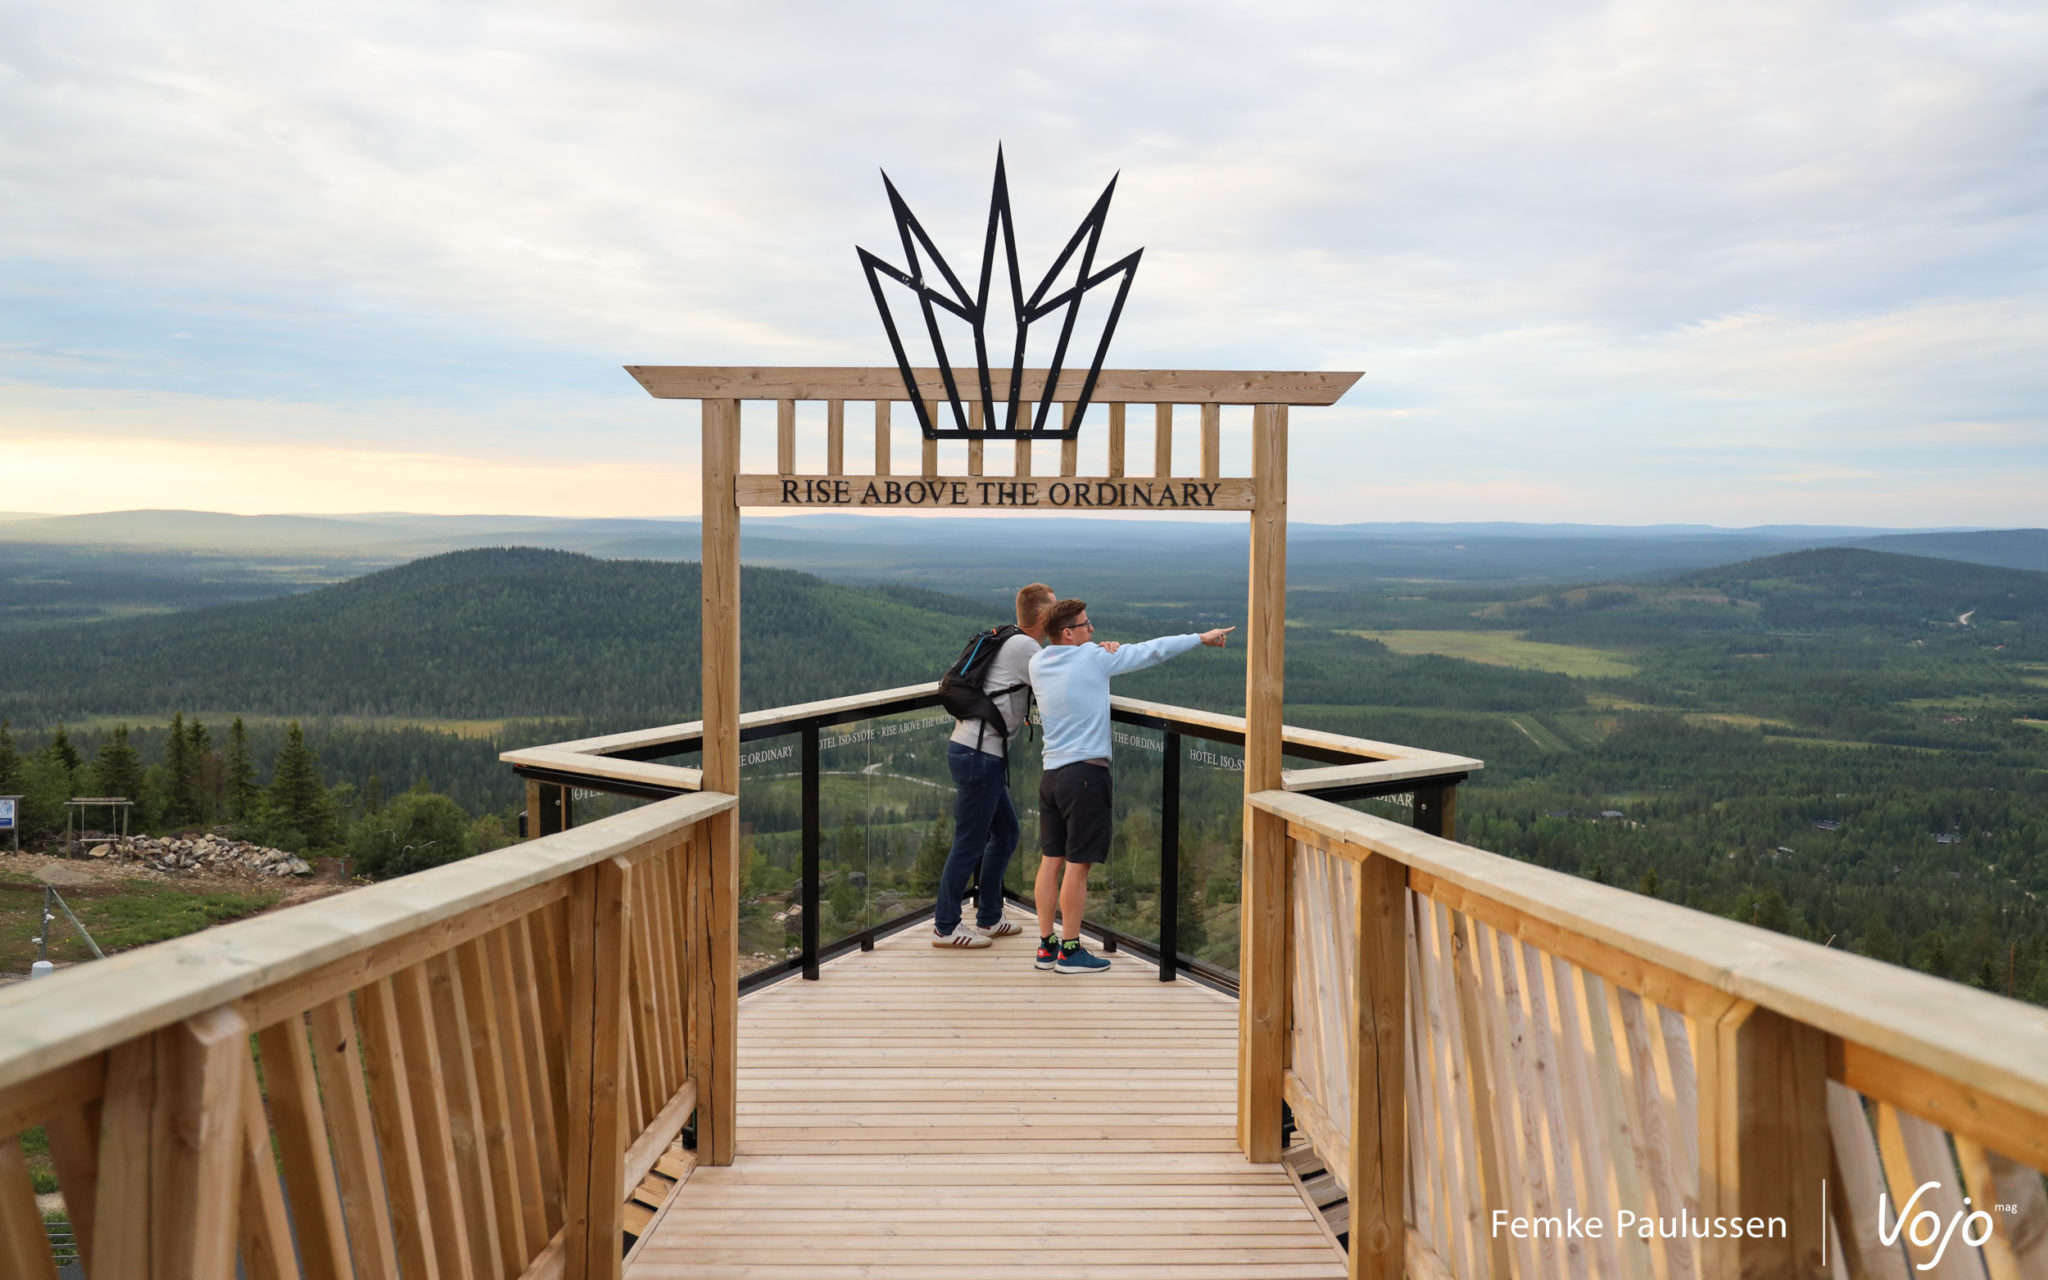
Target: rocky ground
x: 206, y: 852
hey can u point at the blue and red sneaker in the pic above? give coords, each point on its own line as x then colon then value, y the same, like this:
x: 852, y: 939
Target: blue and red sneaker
x: 1048, y: 952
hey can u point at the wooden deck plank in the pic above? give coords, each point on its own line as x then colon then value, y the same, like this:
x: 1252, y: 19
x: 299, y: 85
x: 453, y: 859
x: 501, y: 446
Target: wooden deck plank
x: 917, y: 1111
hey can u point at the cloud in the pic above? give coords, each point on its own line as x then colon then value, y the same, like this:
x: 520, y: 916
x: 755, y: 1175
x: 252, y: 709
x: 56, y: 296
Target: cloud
x: 1577, y: 247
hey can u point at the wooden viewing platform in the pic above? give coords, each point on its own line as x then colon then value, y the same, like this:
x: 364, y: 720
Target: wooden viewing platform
x: 495, y: 1069
x: 926, y: 1113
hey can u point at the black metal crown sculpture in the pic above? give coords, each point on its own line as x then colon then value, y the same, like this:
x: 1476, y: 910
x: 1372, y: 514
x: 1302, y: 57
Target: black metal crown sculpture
x: 974, y: 309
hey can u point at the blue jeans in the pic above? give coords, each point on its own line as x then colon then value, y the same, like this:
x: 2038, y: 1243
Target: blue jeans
x: 984, y: 835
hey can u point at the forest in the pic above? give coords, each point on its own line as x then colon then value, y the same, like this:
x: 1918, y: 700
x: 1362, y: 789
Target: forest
x: 1847, y: 745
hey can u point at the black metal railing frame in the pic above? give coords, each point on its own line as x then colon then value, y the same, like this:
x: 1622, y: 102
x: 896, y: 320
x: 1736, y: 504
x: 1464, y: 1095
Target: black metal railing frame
x: 1430, y: 807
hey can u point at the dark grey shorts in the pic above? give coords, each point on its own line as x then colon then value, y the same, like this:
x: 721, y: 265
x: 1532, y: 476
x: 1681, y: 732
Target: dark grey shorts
x: 1074, y: 813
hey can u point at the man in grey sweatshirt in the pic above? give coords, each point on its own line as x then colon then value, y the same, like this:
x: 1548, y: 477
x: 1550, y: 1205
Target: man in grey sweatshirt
x: 1070, y: 678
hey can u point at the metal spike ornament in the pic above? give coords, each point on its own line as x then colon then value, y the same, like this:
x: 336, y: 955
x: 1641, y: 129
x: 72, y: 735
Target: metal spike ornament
x: 954, y: 299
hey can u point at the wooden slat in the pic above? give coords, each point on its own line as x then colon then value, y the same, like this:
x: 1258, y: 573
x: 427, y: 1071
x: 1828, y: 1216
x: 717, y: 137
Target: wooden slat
x: 530, y: 1124
x: 1262, y: 961
x: 882, y: 459
x: 518, y: 1239
x: 928, y: 447
x: 1212, y: 439
x: 1162, y: 440
x: 74, y: 1084
x: 23, y: 1246
x: 974, y: 447
x: 461, y: 1090
x: 1858, y: 1179
x: 1116, y: 439
x: 835, y: 437
x: 298, y: 1117
x: 1916, y: 1153
x: 358, y: 1173
x: 1237, y: 387
x: 546, y: 950
x: 1479, y: 1082
x: 2017, y: 1248
x: 122, y: 1235
x: 659, y: 1133
x: 74, y: 1136
x: 1070, y: 449
x: 1023, y: 448
x: 195, y: 1148
x: 785, y: 435
x: 265, y: 1232
x: 424, y: 1069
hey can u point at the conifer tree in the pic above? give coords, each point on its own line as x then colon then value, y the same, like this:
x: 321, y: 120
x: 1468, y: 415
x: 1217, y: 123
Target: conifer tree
x: 179, y: 809
x: 204, y: 784
x: 117, y: 770
x: 238, y: 774
x: 10, y: 763
x: 297, y: 795
x: 373, y: 793
x: 61, y: 750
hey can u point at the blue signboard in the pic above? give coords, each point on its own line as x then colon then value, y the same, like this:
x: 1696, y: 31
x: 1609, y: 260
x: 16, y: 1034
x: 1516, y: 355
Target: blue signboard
x: 7, y: 814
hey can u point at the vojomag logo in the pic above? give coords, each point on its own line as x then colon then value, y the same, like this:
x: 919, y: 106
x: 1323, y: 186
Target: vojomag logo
x: 1924, y: 1228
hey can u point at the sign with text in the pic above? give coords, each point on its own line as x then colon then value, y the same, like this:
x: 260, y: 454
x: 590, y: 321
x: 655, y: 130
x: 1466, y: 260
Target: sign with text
x: 7, y: 813
x: 1018, y: 493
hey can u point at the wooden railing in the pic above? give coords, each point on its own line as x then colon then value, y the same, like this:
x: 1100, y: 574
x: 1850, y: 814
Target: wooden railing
x: 458, y: 1074
x: 1485, y: 1050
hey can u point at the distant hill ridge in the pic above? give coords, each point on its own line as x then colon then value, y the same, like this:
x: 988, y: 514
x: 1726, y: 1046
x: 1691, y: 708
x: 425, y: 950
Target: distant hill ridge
x: 486, y: 633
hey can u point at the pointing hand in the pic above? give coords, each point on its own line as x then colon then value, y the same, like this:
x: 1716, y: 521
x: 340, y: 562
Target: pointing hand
x: 1214, y: 639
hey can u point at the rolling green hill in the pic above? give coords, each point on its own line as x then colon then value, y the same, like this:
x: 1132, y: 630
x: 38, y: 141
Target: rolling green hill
x: 478, y: 634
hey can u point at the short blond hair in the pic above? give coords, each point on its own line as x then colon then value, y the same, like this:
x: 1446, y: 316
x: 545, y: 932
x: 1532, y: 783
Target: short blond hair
x: 1032, y: 602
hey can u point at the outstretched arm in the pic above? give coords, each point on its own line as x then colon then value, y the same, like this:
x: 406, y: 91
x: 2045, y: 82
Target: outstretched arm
x: 1137, y: 657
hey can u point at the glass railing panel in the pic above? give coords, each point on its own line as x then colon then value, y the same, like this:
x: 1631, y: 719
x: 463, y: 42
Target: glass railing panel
x: 905, y: 803
x: 1124, y: 892
x: 1211, y: 844
x: 771, y: 851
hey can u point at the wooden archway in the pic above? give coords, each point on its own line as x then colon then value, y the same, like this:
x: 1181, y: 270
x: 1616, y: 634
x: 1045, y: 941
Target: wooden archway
x: 1263, y: 494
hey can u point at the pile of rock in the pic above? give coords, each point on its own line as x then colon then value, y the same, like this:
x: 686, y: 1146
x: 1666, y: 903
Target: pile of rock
x: 207, y: 852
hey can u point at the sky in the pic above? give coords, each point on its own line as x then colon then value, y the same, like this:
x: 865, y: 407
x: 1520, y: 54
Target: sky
x: 1731, y: 263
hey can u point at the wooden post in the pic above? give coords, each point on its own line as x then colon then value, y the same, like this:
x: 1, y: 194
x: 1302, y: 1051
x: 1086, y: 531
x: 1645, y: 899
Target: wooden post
x: 1262, y: 960
x: 1116, y: 439
x: 195, y: 1147
x: 1764, y: 1141
x: 712, y: 1038
x: 1162, y: 445
x: 1212, y: 441
x: 882, y: 437
x: 929, y: 446
x: 599, y: 921
x: 835, y: 437
x: 1379, y: 1132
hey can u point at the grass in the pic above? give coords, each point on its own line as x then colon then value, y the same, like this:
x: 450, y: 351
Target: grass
x: 478, y: 729
x: 2032, y: 724
x: 1505, y: 649
x: 135, y: 913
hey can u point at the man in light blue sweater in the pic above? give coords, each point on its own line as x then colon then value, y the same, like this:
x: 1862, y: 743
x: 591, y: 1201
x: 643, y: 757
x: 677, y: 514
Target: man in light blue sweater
x: 1070, y: 679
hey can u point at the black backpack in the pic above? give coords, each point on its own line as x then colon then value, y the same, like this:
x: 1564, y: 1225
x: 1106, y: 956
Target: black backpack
x: 960, y: 689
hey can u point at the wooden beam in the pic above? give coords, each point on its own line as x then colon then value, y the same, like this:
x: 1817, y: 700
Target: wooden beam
x: 1262, y: 963
x: 835, y: 437
x: 1162, y: 440
x: 1182, y: 386
x: 1764, y: 1143
x: 1087, y: 494
x: 927, y: 445
x: 785, y: 435
x: 881, y: 438
x: 974, y: 447
x: 1212, y: 439
x: 1070, y: 449
x: 1379, y: 1028
x: 716, y: 1072
x: 1116, y: 439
